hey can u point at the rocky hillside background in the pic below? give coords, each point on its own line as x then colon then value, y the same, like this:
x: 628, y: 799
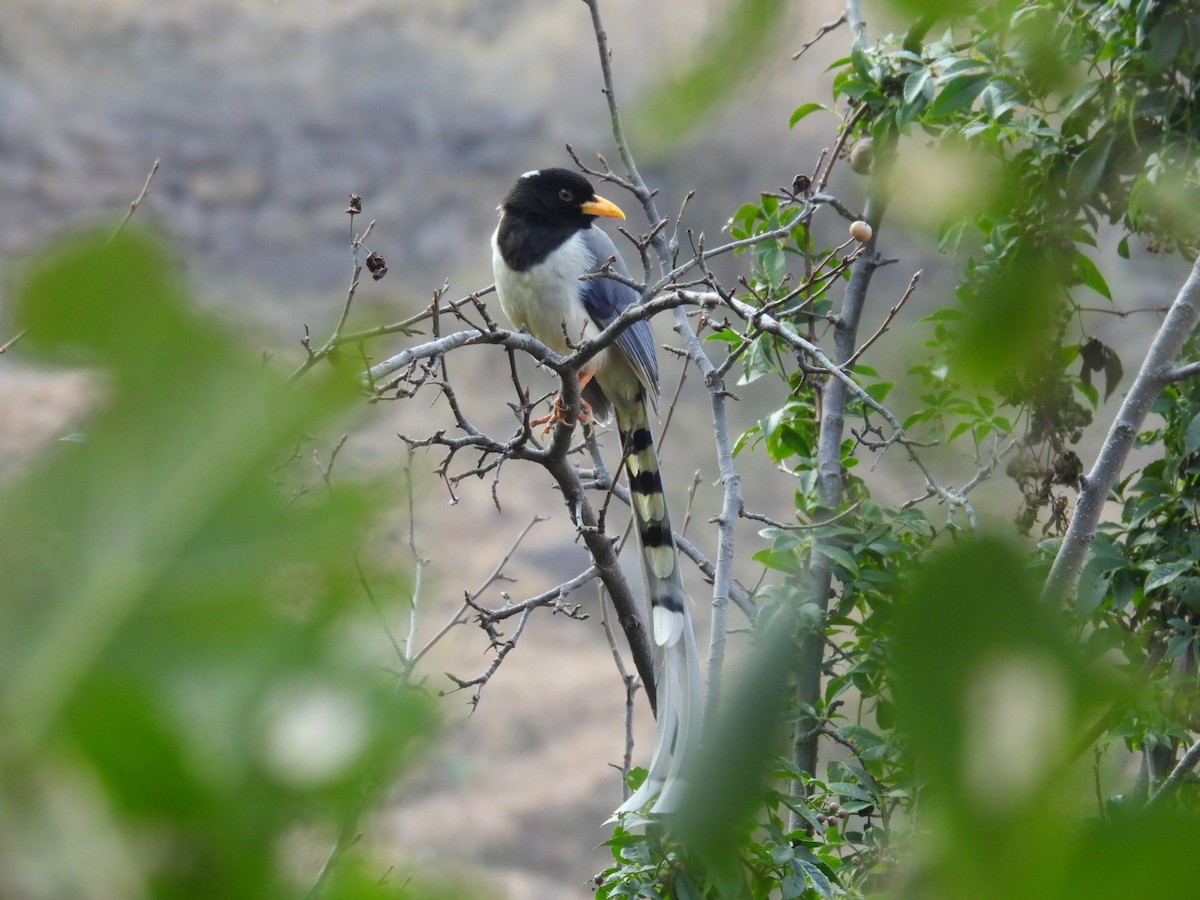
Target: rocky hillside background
x: 266, y: 115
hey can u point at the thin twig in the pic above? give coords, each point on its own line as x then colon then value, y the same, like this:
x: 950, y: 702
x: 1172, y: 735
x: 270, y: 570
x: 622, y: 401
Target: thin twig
x: 11, y: 342
x: 631, y: 686
x: 495, y: 575
x: 136, y: 202
x: 821, y: 32
x: 837, y: 147
x: 908, y: 292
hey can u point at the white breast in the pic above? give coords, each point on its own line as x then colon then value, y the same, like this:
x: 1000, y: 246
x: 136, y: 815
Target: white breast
x: 545, y: 300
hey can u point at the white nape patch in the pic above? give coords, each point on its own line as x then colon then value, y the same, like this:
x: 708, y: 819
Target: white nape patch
x: 531, y: 173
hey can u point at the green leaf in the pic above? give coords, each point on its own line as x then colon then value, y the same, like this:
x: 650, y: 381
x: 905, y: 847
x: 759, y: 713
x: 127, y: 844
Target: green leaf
x: 1007, y: 314
x: 961, y: 66
x: 1080, y: 97
x: 772, y: 260
x: 757, y: 362
x: 992, y: 695
x: 1094, y: 580
x: 1161, y: 576
x: 818, y: 879
x: 839, y: 555
x: 851, y: 790
x: 997, y: 99
x: 1088, y: 168
x: 803, y: 111
x: 1087, y: 274
x: 174, y: 624
x: 1177, y: 644
x: 1191, y: 436
x: 729, y: 770
x: 1165, y: 41
x: 958, y: 94
x: 918, y: 84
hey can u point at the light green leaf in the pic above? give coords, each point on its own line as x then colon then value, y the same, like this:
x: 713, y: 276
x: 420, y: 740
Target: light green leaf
x: 1085, y: 270
x: 818, y: 879
x: 839, y: 555
x: 734, y: 47
x: 803, y: 111
x: 958, y: 94
x: 918, y: 84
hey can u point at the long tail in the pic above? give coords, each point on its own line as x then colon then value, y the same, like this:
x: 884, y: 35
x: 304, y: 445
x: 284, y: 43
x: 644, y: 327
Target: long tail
x: 677, y: 665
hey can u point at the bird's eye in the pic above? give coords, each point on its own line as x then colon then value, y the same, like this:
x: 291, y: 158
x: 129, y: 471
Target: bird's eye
x: 565, y: 196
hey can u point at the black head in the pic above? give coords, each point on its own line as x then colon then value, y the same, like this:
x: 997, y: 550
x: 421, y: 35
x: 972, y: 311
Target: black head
x: 557, y: 197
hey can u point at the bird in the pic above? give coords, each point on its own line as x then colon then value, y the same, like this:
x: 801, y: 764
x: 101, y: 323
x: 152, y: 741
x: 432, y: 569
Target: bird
x: 544, y: 246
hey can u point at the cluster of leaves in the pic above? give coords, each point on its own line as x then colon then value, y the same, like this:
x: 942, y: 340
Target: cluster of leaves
x: 973, y: 705
x: 1139, y: 592
x: 1091, y: 106
x: 1066, y: 115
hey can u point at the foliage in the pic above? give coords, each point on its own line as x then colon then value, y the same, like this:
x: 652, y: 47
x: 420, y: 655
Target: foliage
x: 987, y: 742
x: 180, y: 701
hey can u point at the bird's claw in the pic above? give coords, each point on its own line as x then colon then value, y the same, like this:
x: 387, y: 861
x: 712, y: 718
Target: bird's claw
x: 560, y: 413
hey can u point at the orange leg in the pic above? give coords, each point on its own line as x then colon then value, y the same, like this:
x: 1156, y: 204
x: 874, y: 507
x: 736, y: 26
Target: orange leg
x: 559, y: 411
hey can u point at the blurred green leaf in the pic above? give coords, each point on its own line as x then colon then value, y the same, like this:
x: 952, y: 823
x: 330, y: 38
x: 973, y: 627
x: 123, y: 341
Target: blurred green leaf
x: 1191, y: 437
x: 958, y: 93
x: 173, y: 640
x: 992, y: 696
x: 728, y: 776
x: 1008, y: 310
x: 726, y: 56
x: 1088, y: 168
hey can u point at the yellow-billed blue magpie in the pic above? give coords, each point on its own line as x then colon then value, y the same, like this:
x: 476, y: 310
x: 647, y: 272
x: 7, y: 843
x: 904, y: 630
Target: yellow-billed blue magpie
x: 545, y: 242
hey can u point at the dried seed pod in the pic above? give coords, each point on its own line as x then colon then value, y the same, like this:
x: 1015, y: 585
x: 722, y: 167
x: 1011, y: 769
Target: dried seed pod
x: 377, y: 266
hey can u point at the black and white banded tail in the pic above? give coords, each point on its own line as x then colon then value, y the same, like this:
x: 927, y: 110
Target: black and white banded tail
x: 678, y: 692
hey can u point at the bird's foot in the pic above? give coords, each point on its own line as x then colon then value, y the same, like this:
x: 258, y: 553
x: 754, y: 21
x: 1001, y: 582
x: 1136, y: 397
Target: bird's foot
x: 560, y: 413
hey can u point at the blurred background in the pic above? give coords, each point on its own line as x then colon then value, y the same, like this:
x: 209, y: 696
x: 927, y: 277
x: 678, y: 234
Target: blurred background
x: 265, y: 116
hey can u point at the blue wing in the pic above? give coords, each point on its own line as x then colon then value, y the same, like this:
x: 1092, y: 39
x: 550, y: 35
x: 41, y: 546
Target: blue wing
x: 605, y: 299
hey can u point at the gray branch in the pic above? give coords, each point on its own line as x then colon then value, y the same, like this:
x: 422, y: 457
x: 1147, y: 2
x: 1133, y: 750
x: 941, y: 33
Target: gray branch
x: 1157, y: 371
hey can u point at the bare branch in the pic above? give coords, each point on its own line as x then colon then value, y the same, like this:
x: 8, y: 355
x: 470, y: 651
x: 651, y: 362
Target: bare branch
x: 1156, y: 372
x: 821, y: 32
x: 632, y: 684
x: 503, y: 648
x: 1187, y: 763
